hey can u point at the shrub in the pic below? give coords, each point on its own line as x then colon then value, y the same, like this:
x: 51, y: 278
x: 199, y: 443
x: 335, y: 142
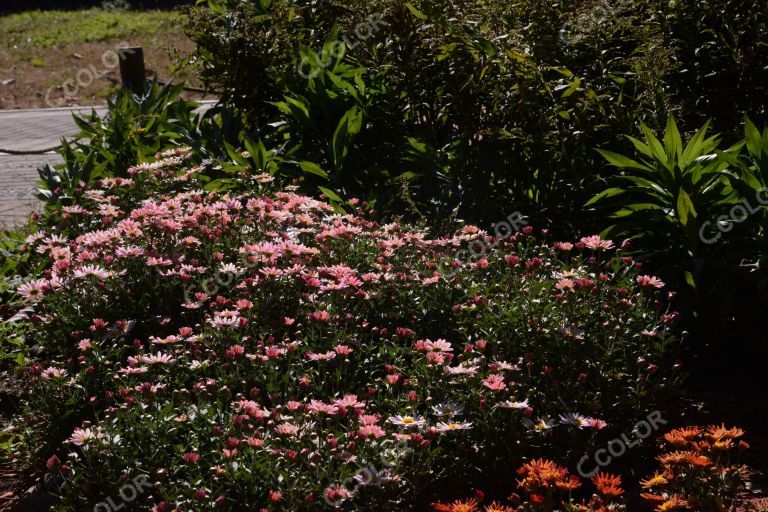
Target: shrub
x: 719, y: 47
x: 454, y: 116
x: 696, y: 213
x: 664, y: 198
x: 257, y: 350
x: 461, y: 107
x: 134, y: 128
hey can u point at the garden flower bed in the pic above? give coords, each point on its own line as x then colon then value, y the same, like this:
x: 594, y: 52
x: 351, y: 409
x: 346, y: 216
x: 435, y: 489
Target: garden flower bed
x: 262, y: 351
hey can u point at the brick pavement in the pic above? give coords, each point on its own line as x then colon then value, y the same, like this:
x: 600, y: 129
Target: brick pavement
x: 33, y: 130
x: 18, y: 175
x: 37, y: 129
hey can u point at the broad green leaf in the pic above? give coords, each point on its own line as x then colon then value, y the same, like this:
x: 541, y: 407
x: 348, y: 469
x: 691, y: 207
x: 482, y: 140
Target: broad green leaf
x: 695, y: 146
x: 621, y: 161
x: 417, y: 145
x: 415, y: 11
x: 312, y: 168
x: 685, y: 207
x: 235, y: 155
x: 672, y: 140
x: 609, y: 192
x: 213, y: 185
x: 753, y: 137
x: 333, y: 196
x: 348, y: 127
x: 656, y: 148
x: 259, y: 153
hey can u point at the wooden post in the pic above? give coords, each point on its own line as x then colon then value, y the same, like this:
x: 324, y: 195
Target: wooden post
x: 132, y: 70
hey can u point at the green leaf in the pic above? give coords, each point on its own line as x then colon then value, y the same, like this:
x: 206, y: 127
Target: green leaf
x: 312, y: 168
x: 213, y: 185
x: 609, y: 192
x: 689, y: 279
x: 754, y: 139
x: 485, y: 46
x: 672, y: 140
x: 621, y: 161
x: 235, y: 155
x: 684, y: 207
x: 417, y: 145
x: 656, y: 148
x: 695, y: 147
x: 258, y: 153
x: 348, y: 127
x: 333, y: 196
x: 415, y: 11
x: 293, y: 107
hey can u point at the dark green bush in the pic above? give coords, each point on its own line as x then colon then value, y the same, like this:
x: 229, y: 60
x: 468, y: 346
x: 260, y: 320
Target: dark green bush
x: 471, y: 109
x: 698, y: 213
x: 721, y: 51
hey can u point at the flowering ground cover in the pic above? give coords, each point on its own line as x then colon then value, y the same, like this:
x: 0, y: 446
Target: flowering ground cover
x: 263, y: 351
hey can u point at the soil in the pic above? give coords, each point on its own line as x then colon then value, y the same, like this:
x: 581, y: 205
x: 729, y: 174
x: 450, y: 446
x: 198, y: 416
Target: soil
x: 85, y: 73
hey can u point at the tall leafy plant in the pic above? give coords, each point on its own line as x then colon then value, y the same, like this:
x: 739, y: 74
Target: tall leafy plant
x: 698, y: 214
x: 661, y: 198
x: 134, y: 128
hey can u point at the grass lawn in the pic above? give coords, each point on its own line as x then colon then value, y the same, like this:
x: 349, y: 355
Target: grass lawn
x: 59, y: 58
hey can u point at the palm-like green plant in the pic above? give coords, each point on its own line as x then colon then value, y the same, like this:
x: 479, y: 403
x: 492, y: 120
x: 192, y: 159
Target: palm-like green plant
x: 750, y: 169
x: 61, y: 184
x: 662, y: 199
x: 750, y: 172
x: 135, y: 127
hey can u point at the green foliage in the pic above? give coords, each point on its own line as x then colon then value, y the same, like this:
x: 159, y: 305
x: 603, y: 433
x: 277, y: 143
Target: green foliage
x: 134, y: 129
x: 467, y: 109
x: 15, y: 263
x: 63, y: 183
x: 699, y: 214
x: 662, y: 198
x: 721, y: 50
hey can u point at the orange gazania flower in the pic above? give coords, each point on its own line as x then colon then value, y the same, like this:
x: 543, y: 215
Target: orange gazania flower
x: 548, y: 474
x: 699, y: 461
x: 497, y: 507
x: 708, y: 445
x: 722, y: 446
x: 457, y: 506
x: 674, y: 502
x: 571, y: 483
x: 656, y: 498
x: 657, y: 480
x: 673, y: 458
x: 721, y: 433
x: 608, y: 485
x: 682, y: 436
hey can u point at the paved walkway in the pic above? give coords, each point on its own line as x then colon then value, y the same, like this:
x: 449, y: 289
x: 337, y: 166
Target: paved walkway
x: 29, y: 130
x: 33, y: 130
x: 18, y: 175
